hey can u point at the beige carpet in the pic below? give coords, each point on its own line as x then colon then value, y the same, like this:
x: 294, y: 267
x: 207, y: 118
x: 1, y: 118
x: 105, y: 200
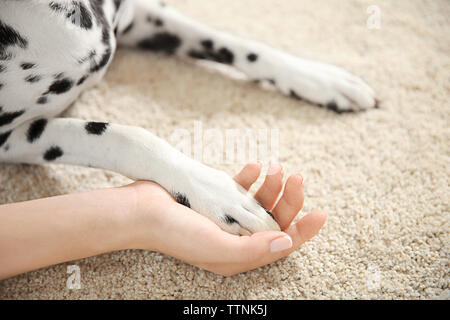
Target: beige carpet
x: 382, y: 175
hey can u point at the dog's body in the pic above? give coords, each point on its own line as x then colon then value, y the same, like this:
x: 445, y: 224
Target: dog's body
x: 51, y: 51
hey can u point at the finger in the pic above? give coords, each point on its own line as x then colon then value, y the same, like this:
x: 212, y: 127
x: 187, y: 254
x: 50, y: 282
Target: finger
x: 306, y: 228
x: 266, y: 247
x: 271, y: 188
x: 291, y: 201
x: 251, y: 251
x: 248, y: 175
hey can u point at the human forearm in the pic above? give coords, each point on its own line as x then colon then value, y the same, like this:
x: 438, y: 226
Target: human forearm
x: 44, y: 232
x: 143, y: 215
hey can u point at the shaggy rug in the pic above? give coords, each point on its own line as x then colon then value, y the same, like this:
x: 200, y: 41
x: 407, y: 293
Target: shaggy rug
x: 382, y: 175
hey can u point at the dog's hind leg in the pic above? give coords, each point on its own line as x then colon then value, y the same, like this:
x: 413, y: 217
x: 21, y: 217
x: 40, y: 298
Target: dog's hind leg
x: 156, y: 27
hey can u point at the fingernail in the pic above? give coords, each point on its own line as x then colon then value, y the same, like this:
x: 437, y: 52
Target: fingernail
x: 273, y: 169
x: 281, y: 244
x: 301, y: 178
x: 256, y: 163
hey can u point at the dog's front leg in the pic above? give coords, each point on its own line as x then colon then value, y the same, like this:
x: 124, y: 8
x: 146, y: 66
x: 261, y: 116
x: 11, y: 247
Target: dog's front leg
x: 154, y: 26
x: 140, y: 155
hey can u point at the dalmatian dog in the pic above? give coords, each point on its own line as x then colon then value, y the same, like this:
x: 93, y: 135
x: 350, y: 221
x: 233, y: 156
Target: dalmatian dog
x: 53, y: 50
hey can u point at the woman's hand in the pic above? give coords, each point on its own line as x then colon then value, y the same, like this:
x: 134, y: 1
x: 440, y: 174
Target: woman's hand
x: 163, y: 225
x: 43, y: 232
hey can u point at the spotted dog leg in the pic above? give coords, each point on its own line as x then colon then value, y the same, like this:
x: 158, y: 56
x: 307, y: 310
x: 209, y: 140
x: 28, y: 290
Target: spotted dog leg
x: 47, y: 59
x: 156, y: 27
x: 138, y: 154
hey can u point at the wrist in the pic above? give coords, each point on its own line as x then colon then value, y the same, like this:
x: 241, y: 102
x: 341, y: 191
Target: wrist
x: 113, y: 222
x: 147, y: 204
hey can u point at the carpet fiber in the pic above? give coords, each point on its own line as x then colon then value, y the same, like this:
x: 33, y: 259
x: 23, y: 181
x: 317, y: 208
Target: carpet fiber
x: 382, y: 175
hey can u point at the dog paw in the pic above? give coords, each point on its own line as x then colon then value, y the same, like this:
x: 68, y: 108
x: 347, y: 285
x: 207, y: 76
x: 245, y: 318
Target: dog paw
x: 326, y: 85
x: 215, y: 195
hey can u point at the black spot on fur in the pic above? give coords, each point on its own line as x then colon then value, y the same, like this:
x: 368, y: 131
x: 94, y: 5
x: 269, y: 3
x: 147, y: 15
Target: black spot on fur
x: 105, y: 36
x: 75, y: 12
x: 1, y: 86
x: 128, y: 28
x: 225, y: 56
x: 35, y: 130
x: 207, y: 44
x: 42, y: 100
x: 103, y: 61
x: 377, y: 104
x: 117, y: 4
x: 159, y: 23
x: 85, y: 17
x: 271, y: 81
x: 53, y: 153
x: 97, y: 128
x: 97, y: 9
x: 10, y: 37
x: 196, y: 54
x: 294, y: 95
x: 27, y: 65
x: 33, y: 78
x: 334, y: 107
x: 59, y: 75
x: 222, y: 56
x: 4, y: 137
x: 82, y: 79
x: 55, y: 6
x: 182, y: 199
x: 8, y: 117
x: 102, y: 22
x: 88, y: 57
x: 60, y: 86
x: 269, y: 213
x: 252, y: 57
x: 4, y: 55
x: 161, y: 42
x: 229, y: 219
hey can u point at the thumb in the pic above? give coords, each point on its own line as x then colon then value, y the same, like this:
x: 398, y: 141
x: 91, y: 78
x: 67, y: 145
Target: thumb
x: 263, y: 246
